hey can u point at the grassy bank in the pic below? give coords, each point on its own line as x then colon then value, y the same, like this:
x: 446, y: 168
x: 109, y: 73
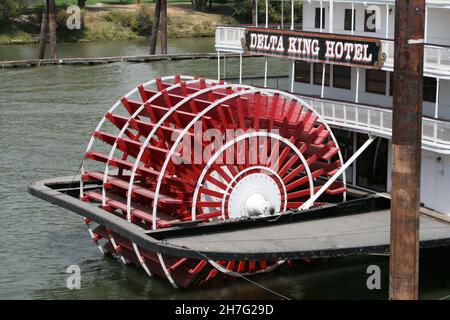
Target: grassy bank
x: 112, y: 22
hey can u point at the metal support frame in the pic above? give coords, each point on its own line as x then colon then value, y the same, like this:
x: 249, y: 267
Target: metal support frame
x: 256, y: 13
x: 323, y: 80
x: 218, y: 65
x: 240, y: 68
x: 292, y: 76
x: 357, y: 85
x: 224, y: 66
x: 292, y: 14
x: 331, y: 16
x: 293, y: 61
x: 387, y: 22
x: 266, y: 62
x: 267, y: 14
x: 321, y: 17
x: 425, y: 36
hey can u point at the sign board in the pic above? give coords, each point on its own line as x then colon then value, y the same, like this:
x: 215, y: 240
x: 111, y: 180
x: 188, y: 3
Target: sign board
x: 316, y: 47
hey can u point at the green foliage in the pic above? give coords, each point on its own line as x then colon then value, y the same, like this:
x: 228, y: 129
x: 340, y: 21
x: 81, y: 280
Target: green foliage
x: 120, y: 18
x: 243, y: 11
x: 143, y: 20
x: 10, y: 9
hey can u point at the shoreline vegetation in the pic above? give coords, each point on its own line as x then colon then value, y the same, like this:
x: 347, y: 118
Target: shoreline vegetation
x: 108, y: 22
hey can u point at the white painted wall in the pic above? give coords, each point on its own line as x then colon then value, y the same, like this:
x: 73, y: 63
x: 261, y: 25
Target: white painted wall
x: 438, y: 21
x: 435, y: 180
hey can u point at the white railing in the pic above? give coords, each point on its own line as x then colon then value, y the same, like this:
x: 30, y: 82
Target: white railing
x: 230, y: 39
x: 378, y: 121
x: 436, y: 59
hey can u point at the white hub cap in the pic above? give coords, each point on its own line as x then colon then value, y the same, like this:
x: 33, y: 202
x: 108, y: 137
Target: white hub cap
x: 254, y: 195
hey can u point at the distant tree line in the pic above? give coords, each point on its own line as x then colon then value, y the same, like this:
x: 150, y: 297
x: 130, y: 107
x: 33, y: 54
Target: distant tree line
x: 10, y: 9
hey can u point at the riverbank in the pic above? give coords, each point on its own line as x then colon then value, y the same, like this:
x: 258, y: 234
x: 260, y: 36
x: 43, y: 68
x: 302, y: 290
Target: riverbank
x: 117, y: 22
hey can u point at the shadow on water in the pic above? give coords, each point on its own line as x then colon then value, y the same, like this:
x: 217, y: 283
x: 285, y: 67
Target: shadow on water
x: 46, y: 118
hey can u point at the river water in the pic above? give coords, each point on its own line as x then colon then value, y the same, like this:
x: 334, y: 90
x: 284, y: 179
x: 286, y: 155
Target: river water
x: 46, y: 118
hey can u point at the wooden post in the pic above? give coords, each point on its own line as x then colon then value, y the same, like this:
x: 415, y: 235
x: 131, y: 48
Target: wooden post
x: 155, y: 28
x: 43, y: 33
x: 52, y: 27
x: 164, y: 26
x: 406, y: 149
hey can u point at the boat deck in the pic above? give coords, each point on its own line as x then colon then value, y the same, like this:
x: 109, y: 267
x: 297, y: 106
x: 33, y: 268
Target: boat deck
x: 356, y: 227
x: 364, y: 233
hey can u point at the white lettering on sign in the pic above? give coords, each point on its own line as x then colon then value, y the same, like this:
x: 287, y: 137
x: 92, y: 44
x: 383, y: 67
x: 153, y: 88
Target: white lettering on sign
x: 310, y: 46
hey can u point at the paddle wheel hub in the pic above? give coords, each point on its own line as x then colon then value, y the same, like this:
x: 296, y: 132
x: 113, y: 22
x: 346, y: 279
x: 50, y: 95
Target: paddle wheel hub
x: 254, y: 195
x: 179, y: 149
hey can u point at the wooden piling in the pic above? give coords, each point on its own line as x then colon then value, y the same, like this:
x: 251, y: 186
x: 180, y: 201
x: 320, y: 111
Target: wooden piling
x: 406, y: 149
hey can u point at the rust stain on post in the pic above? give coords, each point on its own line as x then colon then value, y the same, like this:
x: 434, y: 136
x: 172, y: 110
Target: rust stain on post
x: 406, y: 148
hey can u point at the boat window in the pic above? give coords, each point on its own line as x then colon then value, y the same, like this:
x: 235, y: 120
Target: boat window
x: 391, y: 83
x: 370, y: 21
x: 348, y: 19
x: 376, y: 81
x: 429, y: 89
x: 342, y: 77
x: 317, y: 24
x: 318, y: 69
x: 302, y: 71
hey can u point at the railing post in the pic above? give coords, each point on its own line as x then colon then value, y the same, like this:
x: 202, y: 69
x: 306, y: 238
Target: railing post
x: 240, y: 68
x: 218, y: 65
x: 439, y: 56
x: 256, y: 13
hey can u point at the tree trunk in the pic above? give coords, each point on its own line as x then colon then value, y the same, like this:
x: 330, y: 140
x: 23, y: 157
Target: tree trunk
x: 163, y: 26
x: 155, y: 28
x: 44, y: 25
x: 82, y: 4
x: 52, y: 27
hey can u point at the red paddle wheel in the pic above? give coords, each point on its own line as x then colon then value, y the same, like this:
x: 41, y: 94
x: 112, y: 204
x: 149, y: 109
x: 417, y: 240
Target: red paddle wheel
x: 180, y: 149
